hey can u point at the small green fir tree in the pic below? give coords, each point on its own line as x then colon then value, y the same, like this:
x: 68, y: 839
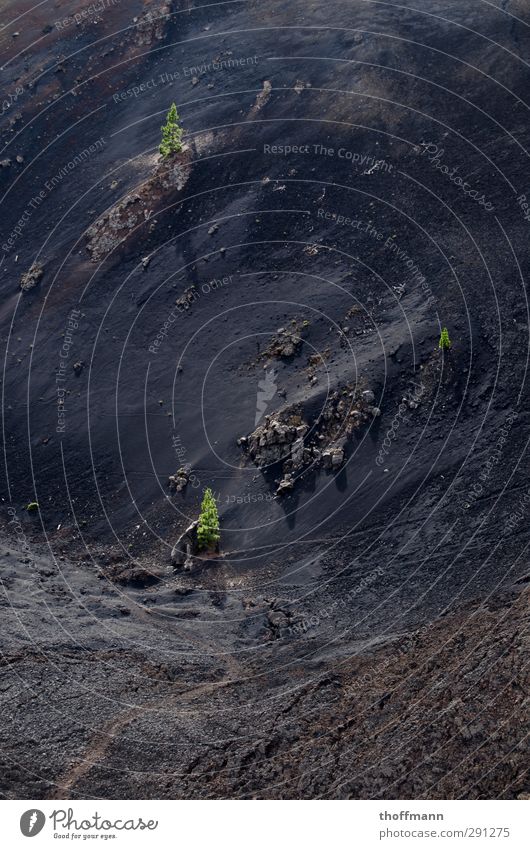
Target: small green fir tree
x: 171, y: 133
x: 445, y: 342
x: 208, y: 529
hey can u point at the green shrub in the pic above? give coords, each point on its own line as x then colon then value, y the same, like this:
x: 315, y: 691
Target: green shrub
x: 32, y: 506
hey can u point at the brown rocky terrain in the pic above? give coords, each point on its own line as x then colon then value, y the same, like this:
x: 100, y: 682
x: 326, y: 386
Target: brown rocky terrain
x: 437, y: 712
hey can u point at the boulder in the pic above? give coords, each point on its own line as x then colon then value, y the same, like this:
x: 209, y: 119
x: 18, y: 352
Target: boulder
x: 179, y: 481
x: 31, y: 277
x: 297, y: 453
x: 286, y: 485
x: 182, y: 553
x: 337, y: 457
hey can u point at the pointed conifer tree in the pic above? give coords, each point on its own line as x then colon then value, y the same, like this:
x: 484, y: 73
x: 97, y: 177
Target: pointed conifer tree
x: 208, y: 529
x: 171, y: 133
x: 445, y: 342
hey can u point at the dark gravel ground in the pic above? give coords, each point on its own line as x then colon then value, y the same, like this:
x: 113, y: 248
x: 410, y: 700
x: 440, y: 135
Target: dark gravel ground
x: 363, y: 636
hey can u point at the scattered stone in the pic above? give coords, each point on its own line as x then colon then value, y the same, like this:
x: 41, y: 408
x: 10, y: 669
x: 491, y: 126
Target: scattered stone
x: 263, y: 96
x: 179, y: 481
x: 299, y: 86
x: 185, y: 301
x: 145, y: 261
x: 30, y: 278
x: 78, y: 367
x: 195, y: 80
x: 213, y: 229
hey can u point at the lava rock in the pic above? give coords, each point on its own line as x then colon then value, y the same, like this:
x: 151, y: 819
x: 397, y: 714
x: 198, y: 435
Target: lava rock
x: 30, y: 278
x: 179, y: 481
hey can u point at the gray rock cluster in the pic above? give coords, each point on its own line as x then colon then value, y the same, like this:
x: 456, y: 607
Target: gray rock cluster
x: 30, y: 278
x: 333, y: 457
x: 186, y: 300
x: 275, y: 440
x: 287, y: 341
x: 179, y: 481
x: 286, y: 438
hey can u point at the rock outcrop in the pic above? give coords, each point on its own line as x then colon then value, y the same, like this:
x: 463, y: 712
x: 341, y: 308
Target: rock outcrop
x: 286, y: 437
x: 113, y: 227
